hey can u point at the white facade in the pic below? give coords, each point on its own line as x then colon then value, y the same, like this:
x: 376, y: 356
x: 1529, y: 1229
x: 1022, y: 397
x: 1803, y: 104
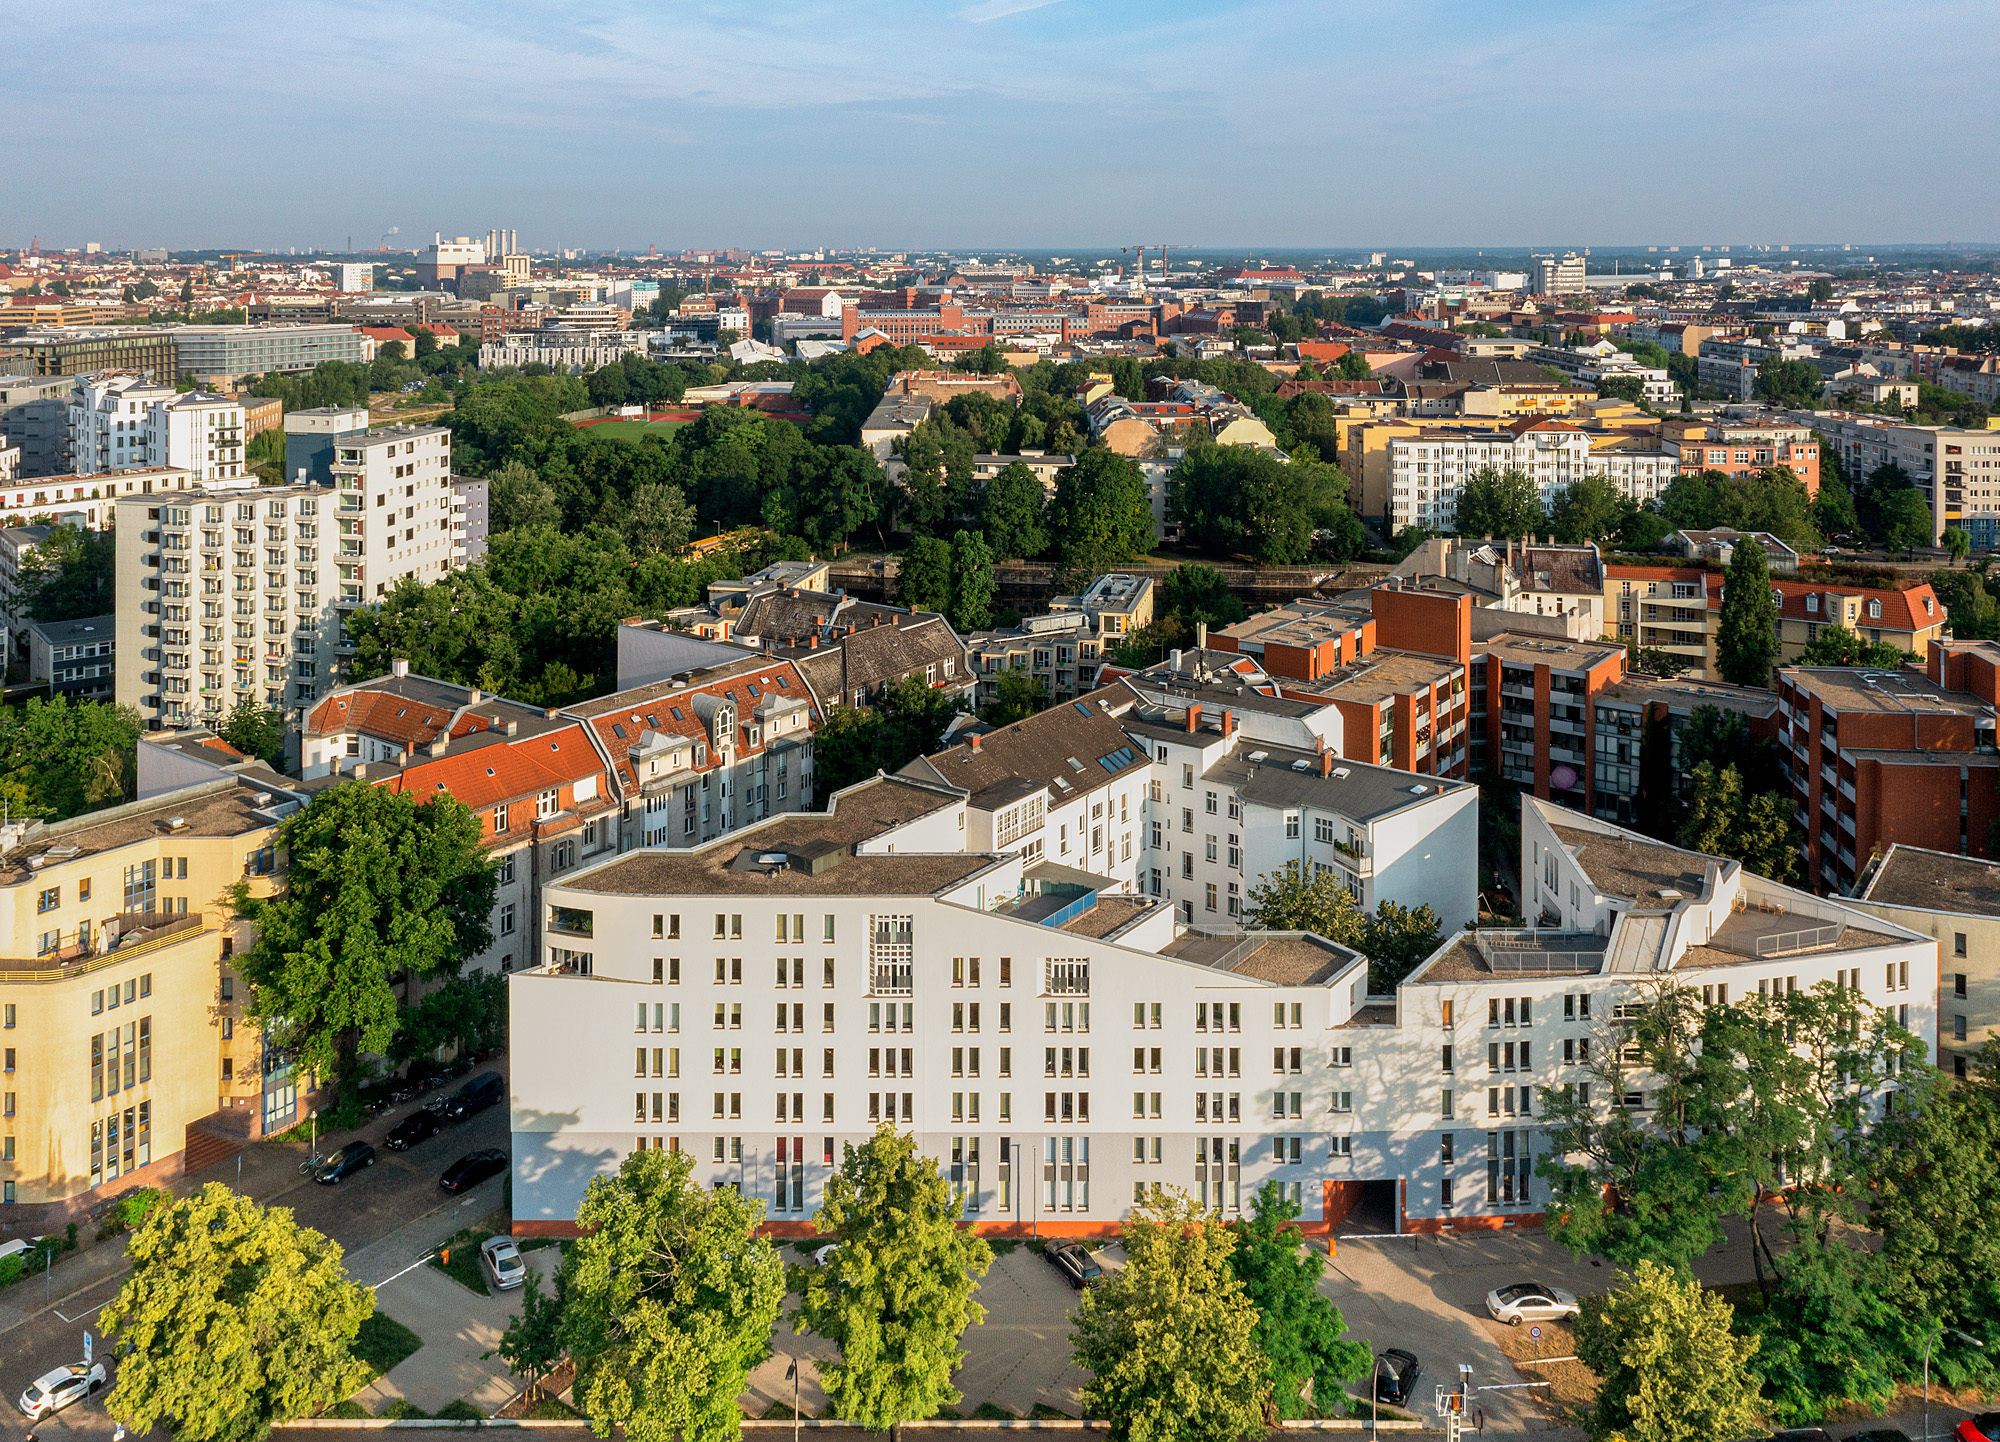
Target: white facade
x: 1427, y: 473
x: 224, y: 593
x: 122, y: 421
x: 1059, y: 1064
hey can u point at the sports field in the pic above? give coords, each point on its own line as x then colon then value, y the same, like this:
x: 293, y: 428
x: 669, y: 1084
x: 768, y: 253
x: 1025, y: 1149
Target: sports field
x: 632, y: 430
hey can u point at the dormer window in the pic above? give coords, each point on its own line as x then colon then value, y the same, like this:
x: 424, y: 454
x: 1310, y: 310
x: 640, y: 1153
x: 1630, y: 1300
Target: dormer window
x: 545, y: 805
x: 700, y: 754
x: 1874, y: 610
x: 1929, y: 608
x: 1812, y: 604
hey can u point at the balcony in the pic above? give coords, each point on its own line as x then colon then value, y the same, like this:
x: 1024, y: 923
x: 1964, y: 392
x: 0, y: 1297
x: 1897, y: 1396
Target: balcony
x: 890, y: 981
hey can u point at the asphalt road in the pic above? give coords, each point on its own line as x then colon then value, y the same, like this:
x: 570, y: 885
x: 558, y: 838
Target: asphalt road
x: 400, y: 1188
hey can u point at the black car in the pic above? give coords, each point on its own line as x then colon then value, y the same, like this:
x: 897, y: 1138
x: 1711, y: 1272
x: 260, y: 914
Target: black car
x: 472, y: 1169
x: 476, y: 1096
x: 419, y: 1127
x: 1075, y: 1263
x: 1396, y: 1377
x: 349, y: 1159
x: 1881, y: 1434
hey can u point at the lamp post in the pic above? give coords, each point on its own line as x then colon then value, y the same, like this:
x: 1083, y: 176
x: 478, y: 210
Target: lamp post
x: 1374, y: 1394
x: 1929, y: 1342
x: 792, y: 1376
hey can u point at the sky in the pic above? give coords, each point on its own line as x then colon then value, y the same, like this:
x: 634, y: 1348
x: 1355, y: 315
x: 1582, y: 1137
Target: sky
x: 1000, y: 124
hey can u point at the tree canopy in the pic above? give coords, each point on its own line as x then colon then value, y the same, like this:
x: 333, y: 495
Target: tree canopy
x: 1102, y: 513
x: 1672, y: 1368
x: 378, y: 883
x: 1498, y: 503
x: 236, y: 1317
x: 1747, y: 640
x: 1395, y: 939
x: 897, y: 1293
x: 1240, y: 500
x: 1298, y: 1330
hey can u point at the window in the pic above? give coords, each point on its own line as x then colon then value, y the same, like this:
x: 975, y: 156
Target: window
x: 1958, y: 945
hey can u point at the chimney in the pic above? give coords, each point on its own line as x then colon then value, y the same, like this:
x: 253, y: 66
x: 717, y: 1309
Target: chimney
x: 812, y: 641
x: 1201, y: 635
x: 1175, y: 658
x: 1228, y: 723
x: 474, y: 696
x: 1326, y: 763
x: 1193, y: 716
x: 973, y: 741
x: 399, y: 667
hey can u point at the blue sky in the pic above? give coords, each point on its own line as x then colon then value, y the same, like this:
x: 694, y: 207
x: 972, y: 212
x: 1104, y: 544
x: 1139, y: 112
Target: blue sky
x: 1001, y: 123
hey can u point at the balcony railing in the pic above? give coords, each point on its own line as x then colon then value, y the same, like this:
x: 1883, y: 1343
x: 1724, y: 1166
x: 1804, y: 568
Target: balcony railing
x: 890, y: 981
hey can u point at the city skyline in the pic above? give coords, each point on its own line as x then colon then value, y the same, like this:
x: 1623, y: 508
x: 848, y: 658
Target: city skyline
x: 1006, y: 123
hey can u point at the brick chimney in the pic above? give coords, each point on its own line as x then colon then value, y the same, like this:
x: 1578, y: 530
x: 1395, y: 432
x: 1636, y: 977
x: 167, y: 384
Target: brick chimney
x: 1193, y: 716
x: 1228, y: 723
x: 1326, y: 763
x: 973, y: 741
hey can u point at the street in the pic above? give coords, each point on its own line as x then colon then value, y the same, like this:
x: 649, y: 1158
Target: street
x: 400, y: 1189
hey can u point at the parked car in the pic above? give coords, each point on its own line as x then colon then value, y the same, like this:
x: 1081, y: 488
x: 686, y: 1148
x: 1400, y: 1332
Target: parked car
x: 1983, y: 1428
x: 16, y: 1247
x: 503, y: 1262
x: 476, y: 1096
x: 472, y: 1169
x: 345, y: 1162
x: 1396, y: 1377
x: 1881, y: 1434
x: 825, y: 1254
x: 1802, y: 1434
x: 1529, y: 1302
x: 53, y: 1391
x: 417, y: 1127
x: 1076, y: 1264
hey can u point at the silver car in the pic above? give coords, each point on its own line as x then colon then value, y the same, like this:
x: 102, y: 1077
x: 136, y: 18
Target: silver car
x: 1530, y: 1302
x: 503, y: 1262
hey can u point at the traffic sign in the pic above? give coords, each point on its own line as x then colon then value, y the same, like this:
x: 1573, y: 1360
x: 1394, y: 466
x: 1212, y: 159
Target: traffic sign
x: 1535, y: 1334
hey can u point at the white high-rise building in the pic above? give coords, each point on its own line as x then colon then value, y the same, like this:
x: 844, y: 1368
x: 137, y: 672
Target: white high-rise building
x: 226, y: 593
x: 122, y: 421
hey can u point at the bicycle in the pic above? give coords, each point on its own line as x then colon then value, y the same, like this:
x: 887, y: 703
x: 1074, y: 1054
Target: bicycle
x: 311, y: 1162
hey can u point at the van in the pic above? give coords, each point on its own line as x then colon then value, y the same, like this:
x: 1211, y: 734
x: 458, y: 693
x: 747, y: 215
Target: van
x: 476, y: 1096
x: 16, y: 1247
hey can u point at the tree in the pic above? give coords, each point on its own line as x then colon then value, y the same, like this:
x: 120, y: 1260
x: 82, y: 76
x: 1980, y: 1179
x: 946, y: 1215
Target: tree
x: 1011, y: 511
x: 669, y: 1299
x: 1397, y: 939
x: 59, y: 758
x: 1353, y: 366
x: 923, y: 582
x: 1170, y: 1339
x: 1833, y: 508
x: 1197, y: 593
x: 854, y: 744
x: 1587, y: 509
x: 1017, y: 696
x: 532, y: 1345
x: 1657, y: 807
x: 1292, y: 899
x: 897, y: 1293
x: 1654, y: 661
x: 379, y: 884
x: 518, y: 496
x: 68, y: 576
x: 1498, y: 503
x: 1958, y: 541
x: 1673, y: 1370
x: 1756, y: 829
x: 1298, y: 1330
x: 1747, y: 640
x: 1797, y: 384
x: 1906, y: 520
x: 972, y: 583
x: 236, y: 1318
x: 1240, y: 500
x: 1102, y: 512
x: 659, y: 522
x: 255, y: 730
x: 1838, y: 646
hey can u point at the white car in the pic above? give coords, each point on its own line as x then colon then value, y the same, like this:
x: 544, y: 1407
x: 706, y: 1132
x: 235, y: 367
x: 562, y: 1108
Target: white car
x: 53, y: 1391
x: 503, y: 1262
x: 825, y: 1254
x: 1530, y: 1302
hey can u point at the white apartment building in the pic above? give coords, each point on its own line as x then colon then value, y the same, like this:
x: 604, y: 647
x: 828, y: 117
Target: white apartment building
x: 10, y: 460
x: 1967, y: 461
x: 121, y: 421
x: 785, y: 992
x: 82, y: 500
x: 1428, y: 471
x: 231, y: 593
x: 1595, y: 364
x: 563, y: 351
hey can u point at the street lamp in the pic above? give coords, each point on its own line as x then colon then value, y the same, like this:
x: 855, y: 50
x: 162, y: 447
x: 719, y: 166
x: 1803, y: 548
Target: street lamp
x: 1374, y: 1394
x: 792, y: 1376
x: 1929, y: 1342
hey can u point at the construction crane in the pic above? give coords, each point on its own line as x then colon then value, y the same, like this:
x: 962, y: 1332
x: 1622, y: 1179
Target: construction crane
x: 1140, y: 252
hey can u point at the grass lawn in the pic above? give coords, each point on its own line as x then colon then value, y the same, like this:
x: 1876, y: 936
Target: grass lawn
x: 464, y: 1267
x: 383, y: 1342
x: 632, y: 430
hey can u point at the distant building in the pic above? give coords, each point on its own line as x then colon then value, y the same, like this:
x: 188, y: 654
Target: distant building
x: 122, y: 421
x: 470, y: 514
x: 1720, y: 544
x: 150, y: 350
x: 309, y: 438
x: 1554, y: 275
x: 351, y: 276
x: 34, y: 417
x: 224, y: 354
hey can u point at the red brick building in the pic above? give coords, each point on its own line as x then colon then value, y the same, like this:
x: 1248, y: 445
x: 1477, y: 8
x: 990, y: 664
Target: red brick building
x: 1880, y: 757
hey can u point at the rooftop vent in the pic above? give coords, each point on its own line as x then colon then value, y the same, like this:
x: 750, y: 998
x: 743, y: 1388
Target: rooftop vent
x: 1302, y: 766
x: 175, y: 823
x: 1260, y: 756
x: 262, y: 798
x: 1419, y: 790
x: 1341, y: 771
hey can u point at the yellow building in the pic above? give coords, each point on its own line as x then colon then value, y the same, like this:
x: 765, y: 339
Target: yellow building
x: 122, y: 1024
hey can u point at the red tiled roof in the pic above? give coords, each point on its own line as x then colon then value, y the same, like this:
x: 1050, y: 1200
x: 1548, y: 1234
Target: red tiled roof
x: 486, y: 777
x: 649, y: 709
x: 1901, y: 610
x: 389, y: 717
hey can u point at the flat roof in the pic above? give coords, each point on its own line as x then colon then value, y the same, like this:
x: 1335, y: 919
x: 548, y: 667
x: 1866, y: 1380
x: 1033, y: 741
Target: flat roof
x: 1290, y: 958
x: 1638, y: 690
x: 225, y: 810
x: 729, y: 866
x: 1858, y: 688
x: 1552, y: 651
x: 1638, y: 871
x: 1484, y: 955
x: 1935, y: 881
x: 61, y: 633
x: 1269, y: 774
x: 1384, y: 674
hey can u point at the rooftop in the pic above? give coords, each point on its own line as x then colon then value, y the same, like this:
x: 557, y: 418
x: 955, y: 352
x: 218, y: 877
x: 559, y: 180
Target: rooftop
x: 818, y: 851
x: 1636, y: 690
x: 1070, y: 749
x: 65, y: 633
x: 1283, y: 777
x: 1850, y: 688
x: 1485, y: 955
x: 1651, y: 874
x: 1521, y: 649
x: 1282, y: 958
x: 1935, y: 881
x: 214, y: 809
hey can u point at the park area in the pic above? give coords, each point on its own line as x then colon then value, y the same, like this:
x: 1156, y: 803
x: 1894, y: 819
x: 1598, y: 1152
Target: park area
x: 632, y: 428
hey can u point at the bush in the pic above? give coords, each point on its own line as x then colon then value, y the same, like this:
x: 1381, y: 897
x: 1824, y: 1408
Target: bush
x: 401, y: 1408
x: 551, y: 1409
x: 347, y: 1410
x: 461, y: 1411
